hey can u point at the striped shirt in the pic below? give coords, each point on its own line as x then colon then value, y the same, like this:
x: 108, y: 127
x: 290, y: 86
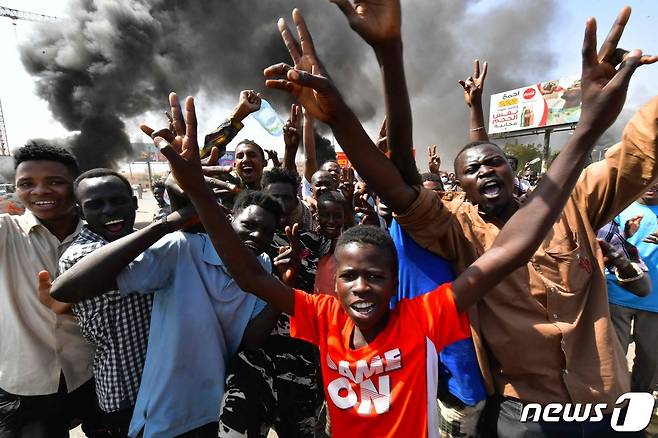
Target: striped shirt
x: 118, y: 326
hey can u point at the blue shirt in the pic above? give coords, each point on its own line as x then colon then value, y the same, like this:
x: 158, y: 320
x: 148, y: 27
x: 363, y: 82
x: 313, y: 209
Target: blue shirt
x: 419, y: 272
x: 198, y: 319
x: 649, y: 254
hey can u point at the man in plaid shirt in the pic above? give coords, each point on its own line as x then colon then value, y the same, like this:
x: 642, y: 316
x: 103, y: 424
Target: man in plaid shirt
x: 118, y: 325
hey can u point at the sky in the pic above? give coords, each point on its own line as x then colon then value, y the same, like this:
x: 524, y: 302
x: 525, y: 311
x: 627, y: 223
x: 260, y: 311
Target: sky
x: 27, y: 116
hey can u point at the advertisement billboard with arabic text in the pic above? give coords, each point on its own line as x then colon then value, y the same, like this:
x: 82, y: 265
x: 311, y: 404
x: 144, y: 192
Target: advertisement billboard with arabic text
x: 551, y: 103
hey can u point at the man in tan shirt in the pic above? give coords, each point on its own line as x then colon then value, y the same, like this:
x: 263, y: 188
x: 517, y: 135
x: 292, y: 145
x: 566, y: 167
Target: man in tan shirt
x: 45, y: 364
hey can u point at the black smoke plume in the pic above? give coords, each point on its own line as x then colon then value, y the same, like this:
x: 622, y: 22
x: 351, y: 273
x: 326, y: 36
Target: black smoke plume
x: 113, y: 60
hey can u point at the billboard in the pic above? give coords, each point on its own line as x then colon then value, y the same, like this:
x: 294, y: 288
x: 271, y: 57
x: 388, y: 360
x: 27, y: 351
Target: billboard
x: 551, y: 103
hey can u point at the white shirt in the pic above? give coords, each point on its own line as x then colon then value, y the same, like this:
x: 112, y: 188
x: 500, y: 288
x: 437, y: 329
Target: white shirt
x: 36, y: 345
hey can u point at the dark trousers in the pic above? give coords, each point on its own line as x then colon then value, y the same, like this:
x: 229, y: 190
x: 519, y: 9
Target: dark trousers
x: 502, y: 418
x: 47, y: 416
x: 206, y: 431
x: 645, y: 327
x: 111, y: 424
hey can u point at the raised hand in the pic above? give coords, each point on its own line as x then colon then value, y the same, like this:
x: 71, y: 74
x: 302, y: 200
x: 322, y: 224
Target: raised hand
x: 651, y: 238
x: 248, y: 103
x: 273, y: 156
x: 306, y: 79
x: 378, y: 22
x: 434, y: 160
x: 361, y: 195
x: 288, y: 261
x: 175, y: 131
x: 292, y: 130
x: 603, y: 86
x: 632, y: 225
x: 346, y: 185
x: 185, y: 163
x: 473, y: 85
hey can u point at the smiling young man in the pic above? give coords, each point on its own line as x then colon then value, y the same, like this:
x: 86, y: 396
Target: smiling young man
x: 117, y: 324
x: 195, y: 299
x: 279, y: 384
x: 249, y: 164
x: 45, y: 363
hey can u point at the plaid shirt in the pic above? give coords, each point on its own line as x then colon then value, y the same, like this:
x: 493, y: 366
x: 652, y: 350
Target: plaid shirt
x: 118, y: 326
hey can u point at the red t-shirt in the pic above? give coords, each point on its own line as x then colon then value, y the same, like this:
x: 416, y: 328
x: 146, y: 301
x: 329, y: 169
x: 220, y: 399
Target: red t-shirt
x: 387, y: 388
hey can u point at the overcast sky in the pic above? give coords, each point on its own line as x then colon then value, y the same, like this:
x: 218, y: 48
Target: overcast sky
x: 27, y: 116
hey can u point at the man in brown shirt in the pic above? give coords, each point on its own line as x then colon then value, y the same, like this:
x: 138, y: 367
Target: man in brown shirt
x: 546, y: 327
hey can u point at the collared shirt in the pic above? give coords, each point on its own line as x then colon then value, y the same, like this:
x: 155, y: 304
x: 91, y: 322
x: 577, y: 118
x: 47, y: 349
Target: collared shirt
x: 36, y: 345
x: 546, y: 327
x: 198, y: 319
x: 118, y: 326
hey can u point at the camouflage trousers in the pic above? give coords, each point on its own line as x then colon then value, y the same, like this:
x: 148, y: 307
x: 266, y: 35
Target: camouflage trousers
x: 277, y: 386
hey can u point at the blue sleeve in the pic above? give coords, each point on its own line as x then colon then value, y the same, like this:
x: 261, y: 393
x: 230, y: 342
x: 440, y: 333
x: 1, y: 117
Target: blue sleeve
x: 259, y: 305
x: 151, y: 270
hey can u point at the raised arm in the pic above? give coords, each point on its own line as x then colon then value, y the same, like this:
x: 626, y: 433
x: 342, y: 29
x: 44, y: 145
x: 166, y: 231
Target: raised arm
x: 312, y: 89
x: 240, y: 261
x: 292, y: 137
x: 310, y: 159
x: 603, y: 95
x: 473, y: 87
x: 96, y: 273
x: 379, y: 24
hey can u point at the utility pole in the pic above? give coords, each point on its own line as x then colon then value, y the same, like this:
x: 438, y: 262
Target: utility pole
x: 14, y: 15
x: 4, y: 144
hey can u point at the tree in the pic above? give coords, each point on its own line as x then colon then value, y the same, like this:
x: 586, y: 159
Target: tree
x: 523, y: 152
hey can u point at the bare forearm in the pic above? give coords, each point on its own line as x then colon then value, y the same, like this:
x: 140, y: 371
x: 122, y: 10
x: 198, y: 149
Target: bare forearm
x: 526, y: 230
x: 259, y: 328
x: 399, y: 127
x: 640, y: 287
x: 96, y: 273
x: 478, y: 131
x: 242, y: 263
x: 373, y: 166
x: 289, y: 159
x: 310, y: 160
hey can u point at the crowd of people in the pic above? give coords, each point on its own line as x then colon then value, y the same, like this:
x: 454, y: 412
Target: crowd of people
x: 369, y: 300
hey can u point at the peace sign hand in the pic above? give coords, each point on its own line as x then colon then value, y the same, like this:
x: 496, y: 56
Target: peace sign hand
x: 288, y: 262
x: 292, y: 129
x: 434, y: 160
x: 185, y: 163
x: 306, y: 79
x: 604, y: 86
x: 473, y: 85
